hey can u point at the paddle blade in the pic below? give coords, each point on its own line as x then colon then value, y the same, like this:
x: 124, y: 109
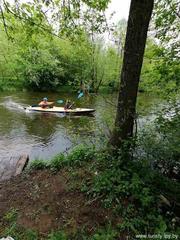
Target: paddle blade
x: 60, y: 101
x: 80, y: 95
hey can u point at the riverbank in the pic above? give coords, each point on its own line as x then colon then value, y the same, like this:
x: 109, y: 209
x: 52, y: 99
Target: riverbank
x: 88, y: 194
x: 48, y: 201
x: 40, y: 203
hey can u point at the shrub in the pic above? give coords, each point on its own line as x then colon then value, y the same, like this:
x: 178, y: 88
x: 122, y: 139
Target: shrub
x: 57, y: 236
x: 159, y: 144
x: 80, y: 154
x: 11, y: 215
x: 133, y: 190
x: 57, y: 162
x: 38, y: 164
x: 76, y: 157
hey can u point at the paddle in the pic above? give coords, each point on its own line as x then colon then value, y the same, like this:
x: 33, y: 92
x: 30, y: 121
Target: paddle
x: 81, y: 94
x: 60, y: 101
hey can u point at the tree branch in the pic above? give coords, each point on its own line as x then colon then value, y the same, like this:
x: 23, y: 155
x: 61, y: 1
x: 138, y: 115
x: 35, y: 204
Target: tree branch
x: 4, y: 22
x: 25, y: 19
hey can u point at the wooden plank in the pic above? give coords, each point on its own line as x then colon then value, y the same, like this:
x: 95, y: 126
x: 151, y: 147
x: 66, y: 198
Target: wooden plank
x: 21, y: 164
x: 7, y: 167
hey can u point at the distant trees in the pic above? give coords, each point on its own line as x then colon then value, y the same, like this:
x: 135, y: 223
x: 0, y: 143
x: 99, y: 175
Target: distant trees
x: 36, y: 59
x: 56, y: 42
x: 119, y: 35
x: 167, y: 24
x: 160, y: 72
x: 161, y: 68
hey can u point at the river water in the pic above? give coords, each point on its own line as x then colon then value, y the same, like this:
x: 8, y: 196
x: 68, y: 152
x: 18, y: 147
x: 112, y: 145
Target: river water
x: 42, y: 136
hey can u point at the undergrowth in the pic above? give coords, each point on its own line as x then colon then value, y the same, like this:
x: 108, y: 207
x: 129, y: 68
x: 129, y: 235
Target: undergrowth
x: 77, y: 157
x: 132, y: 189
x: 20, y: 233
x: 142, y: 190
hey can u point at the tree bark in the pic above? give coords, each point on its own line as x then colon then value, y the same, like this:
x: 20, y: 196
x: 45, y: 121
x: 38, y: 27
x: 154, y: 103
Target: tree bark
x: 137, y: 28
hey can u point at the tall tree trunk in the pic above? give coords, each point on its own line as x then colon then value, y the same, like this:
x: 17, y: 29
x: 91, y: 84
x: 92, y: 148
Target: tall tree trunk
x: 137, y: 28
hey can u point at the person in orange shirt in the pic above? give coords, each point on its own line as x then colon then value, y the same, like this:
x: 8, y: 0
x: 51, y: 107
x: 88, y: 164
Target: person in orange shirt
x: 44, y: 103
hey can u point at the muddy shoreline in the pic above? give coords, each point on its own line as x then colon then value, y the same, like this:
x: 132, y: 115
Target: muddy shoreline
x: 45, y: 201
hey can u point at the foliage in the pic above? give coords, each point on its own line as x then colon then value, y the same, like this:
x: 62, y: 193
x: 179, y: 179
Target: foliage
x: 161, y: 64
x: 159, y: 144
x: 11, y: 215
x: 36, y: 57
x: 160, y: 71
x: 45, y: 59
x: 76, y: 157
x: 119, y: 35
x: 134, y: 189
x: 166, y: 19
x: 57, y: 162
x: 65, y: 15
x: 101, y: 234
x: 81, y: 153
x: 44, y: 62
x: 109, y: 234
x: 58, y: 236
x: 124, y: 190
x: 38, y: 164
x: 20, y: 233
x: 12, y: 229
x: 44, y: 54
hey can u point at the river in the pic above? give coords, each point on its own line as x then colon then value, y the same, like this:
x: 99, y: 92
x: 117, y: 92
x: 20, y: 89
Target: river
x: 42, y: 136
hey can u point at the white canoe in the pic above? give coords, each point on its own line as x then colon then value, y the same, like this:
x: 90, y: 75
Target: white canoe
x: 60, y: 110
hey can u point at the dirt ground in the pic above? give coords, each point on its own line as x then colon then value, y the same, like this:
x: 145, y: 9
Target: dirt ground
x: 45, y: 201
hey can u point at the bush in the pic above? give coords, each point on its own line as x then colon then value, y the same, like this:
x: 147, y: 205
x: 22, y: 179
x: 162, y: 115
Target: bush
x: 76, y: 157
x: 14, y: 230
x: 133, y: 189
x: 159, y: 144
x: 80, y: 154
x: 57, y: 236
x: 57, y: 162
x: 102, y: 234
x: 107, y: 234
x: 38, y: 164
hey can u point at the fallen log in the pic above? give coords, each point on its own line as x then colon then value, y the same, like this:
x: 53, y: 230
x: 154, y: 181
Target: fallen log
x: 21, y: 164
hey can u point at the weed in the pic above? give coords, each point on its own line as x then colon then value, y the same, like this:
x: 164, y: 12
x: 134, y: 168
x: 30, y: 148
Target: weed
x: 12, y: 229
x: 11, y: 215
x: 60, y: 235
x: 80, y: 154
x: 57, y: 162
x: 38, y: 164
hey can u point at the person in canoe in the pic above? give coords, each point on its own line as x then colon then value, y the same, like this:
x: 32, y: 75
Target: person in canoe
x: 68, y: 105
x: 45, y: 104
